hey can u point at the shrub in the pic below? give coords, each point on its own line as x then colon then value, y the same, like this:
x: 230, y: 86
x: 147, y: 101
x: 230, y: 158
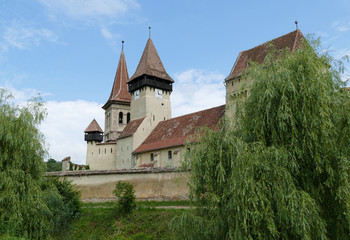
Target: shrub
x: 124, y: 191
x: 63, y: 201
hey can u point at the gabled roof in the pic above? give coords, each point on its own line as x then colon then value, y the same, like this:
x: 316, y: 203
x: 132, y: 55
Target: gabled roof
x: 176, y: 131
x: 131, y: 128
x: 150, y: 64
x: 120, y: 91
x: 257, y: 54
x: 93, y: 127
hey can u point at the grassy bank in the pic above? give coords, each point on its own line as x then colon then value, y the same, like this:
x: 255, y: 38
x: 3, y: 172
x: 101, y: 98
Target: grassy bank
x: 102, y: 221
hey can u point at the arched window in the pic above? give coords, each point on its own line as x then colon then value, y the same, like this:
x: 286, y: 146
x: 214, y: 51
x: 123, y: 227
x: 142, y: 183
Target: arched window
x: 128, y: 118
x: 120, y: 117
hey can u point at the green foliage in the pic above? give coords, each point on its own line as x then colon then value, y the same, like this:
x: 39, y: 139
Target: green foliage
x: 281, y: 170
x: 63, y: 200
x: 125, y: 193
x: 31, y: 206
x: 98, y: 222
x: 77, y: 167
x: 22, y: 207
x: 53, y: 166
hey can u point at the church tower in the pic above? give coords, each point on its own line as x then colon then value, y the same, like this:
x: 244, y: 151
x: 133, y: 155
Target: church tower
x: 150, y: 88
x: 117, y: 108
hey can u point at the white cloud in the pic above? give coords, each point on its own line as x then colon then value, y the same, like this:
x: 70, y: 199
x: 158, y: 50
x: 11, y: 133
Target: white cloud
x: 106, y: 33
x: 64, y: 127
x: 90, y: 8
x: 21, y: 36
x: 22, y: 96
x: 341, y: 26
x: 195, y: 90
x: 109, y: 36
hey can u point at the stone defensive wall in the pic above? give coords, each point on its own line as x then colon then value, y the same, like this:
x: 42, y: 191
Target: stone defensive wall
x: 150, y: 183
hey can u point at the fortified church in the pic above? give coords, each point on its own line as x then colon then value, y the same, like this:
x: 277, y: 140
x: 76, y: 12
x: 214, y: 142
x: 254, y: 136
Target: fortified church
x: 139, y: 129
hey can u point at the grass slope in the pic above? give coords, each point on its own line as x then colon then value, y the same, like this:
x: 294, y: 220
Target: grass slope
x: 102, y: 221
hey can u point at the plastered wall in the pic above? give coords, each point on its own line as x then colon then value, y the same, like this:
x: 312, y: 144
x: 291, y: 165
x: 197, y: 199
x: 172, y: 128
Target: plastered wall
x: 148, y: 104
x: 113, y: 127
x: 100, y: 156
x: 124, y: 157
x: 155, y: 184
x: 238, y: 87
x: 161, y: 157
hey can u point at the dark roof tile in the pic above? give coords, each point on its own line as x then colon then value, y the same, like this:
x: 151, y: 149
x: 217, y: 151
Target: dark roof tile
x: 131, y: 128
x: 176, y: 131
x: 150, y: 64
x: 257, y: 54
x: 93, y: 127
x: 120, y: 89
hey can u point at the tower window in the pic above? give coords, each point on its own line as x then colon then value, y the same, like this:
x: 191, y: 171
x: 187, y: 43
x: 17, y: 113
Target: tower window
x: 154, y: 118
x: 120, y: 117
x: 152, y: 157
x: 170, y: 154
x: 128, y: 118
x: 111, y: 150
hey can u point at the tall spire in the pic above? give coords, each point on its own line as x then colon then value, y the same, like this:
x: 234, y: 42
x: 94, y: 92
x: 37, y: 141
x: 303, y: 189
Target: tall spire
x: 150, y: 64
x: 120, y: 90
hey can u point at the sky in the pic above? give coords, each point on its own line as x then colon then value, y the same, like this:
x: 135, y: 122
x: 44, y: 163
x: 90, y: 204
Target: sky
x: 67, y: 51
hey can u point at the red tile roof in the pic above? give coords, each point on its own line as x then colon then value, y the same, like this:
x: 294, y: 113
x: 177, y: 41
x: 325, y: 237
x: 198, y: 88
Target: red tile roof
x: 257, y: 54
x: 176, y: 131
x: 93, y: 127
x: 150, y: 64
x: 131, y: 128
x: 120, y: 89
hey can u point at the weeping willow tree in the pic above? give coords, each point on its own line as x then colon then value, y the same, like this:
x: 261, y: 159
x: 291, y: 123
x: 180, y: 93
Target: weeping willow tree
x: 281, y: 169
x: 23, y: 211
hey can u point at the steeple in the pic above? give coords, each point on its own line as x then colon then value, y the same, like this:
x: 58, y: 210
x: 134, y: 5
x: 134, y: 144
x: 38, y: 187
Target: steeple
x: 150, y: 71
x: 119, y: 91
x: 117, y: 108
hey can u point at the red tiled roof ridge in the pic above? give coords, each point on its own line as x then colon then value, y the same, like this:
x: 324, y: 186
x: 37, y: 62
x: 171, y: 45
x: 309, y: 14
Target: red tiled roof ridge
x: 176, y: 131
x: 243, y: 57
x: 247, y: 50
x: 150, y: 64
x: 93, y: 127
x: 131, y: 128
x: 120, y: 89
x: 194, y: 113
x: 296, y: 37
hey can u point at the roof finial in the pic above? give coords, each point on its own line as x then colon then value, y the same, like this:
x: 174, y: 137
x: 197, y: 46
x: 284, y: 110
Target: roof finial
x: 149, y: 31
x: 296, y: 23
x: 122, y: 44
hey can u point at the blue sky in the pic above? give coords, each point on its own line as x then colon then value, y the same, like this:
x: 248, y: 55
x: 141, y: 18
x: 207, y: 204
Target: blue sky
x: 68, y: 50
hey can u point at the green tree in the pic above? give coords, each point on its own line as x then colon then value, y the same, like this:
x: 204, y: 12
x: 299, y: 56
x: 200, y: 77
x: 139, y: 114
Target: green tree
x: 125, y: 193
x: 53, y: 165
x: 281, y: 170
x: 63, y: 200
x: 22, y: 209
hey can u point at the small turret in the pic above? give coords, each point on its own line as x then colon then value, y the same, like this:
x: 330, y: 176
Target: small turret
x: 93, y: 132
